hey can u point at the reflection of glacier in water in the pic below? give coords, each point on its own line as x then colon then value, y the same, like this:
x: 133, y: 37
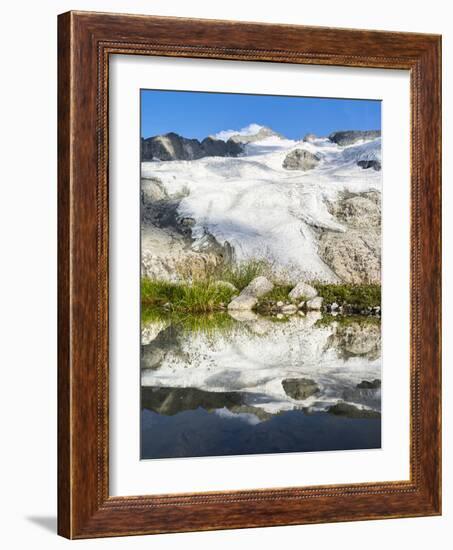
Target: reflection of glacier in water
x: 303, y: 384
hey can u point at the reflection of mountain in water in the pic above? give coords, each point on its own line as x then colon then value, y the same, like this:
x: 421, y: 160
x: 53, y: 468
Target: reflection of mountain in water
x: 171, y: 401
x: 244, y: 370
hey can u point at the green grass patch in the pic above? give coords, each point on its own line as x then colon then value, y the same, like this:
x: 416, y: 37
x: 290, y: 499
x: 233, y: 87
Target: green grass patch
x: 278, y: 293
x: 267, y: 302
x: 361, y: 296
x: 242, y: 274
x: 196, y: 297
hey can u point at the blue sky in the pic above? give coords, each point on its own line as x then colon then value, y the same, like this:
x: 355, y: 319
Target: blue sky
x: 199, y: 114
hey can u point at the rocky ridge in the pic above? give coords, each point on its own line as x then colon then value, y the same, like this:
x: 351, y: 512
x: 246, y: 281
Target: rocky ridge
x: 172, y: 146
x: 349, y: 137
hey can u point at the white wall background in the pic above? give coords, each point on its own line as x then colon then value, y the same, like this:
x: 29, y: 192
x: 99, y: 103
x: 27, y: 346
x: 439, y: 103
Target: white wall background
x: 28, y: 216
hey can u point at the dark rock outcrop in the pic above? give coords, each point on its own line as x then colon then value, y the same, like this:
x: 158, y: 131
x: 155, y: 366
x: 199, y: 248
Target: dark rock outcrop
x: 365, y: 164
x: 348, y: 137
x: 299, y: 159
x: 217, y: 148
x: 172, y: 146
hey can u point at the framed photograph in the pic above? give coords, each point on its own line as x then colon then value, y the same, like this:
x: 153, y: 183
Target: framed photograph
x: 249, y: 275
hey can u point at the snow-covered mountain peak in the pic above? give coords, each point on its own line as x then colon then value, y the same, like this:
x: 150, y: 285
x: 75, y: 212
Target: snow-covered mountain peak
x: 252, y: 132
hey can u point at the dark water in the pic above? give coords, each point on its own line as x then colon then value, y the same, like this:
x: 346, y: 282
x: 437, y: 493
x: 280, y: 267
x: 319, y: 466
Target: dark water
x: 226, y: 393
x: 203, y: 433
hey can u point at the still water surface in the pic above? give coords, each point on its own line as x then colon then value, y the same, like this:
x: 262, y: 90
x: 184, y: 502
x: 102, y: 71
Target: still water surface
x: 223, y: 385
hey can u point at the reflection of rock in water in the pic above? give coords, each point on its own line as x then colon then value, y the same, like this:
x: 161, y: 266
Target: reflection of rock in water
x: 173, y: 400
x: 300, y: 388
x: 167, y: 340
x: 170, y: 401
x: 357, y: 338
x: 351, y: 411
x: 367, y: 397
x: 151, y: 330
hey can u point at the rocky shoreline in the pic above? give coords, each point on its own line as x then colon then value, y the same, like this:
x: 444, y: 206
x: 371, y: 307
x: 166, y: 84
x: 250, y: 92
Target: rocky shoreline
x: 257, y: 296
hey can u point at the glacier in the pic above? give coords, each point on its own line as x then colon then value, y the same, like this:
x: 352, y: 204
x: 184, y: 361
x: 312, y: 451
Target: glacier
x: 262, y: 210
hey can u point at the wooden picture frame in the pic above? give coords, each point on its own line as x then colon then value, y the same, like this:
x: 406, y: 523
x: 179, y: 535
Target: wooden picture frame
x: 85, y: 42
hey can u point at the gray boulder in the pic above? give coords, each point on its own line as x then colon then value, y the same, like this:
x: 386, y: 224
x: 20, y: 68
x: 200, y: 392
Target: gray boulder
x: 302, y: 290
x: 300, y: 388
x: 299, y: 159
x: 348, y: 137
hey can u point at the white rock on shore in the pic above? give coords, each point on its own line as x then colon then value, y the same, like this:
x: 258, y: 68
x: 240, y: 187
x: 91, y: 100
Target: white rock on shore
x: 302, y: 290
x: 248, y: 298
x: 258, y: 287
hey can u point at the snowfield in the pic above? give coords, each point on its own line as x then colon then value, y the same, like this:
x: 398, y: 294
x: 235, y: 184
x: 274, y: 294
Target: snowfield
x: 263, y: 210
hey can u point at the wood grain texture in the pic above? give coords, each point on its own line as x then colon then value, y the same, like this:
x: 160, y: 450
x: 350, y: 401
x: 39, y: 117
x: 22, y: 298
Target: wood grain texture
x: 85, y: 42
